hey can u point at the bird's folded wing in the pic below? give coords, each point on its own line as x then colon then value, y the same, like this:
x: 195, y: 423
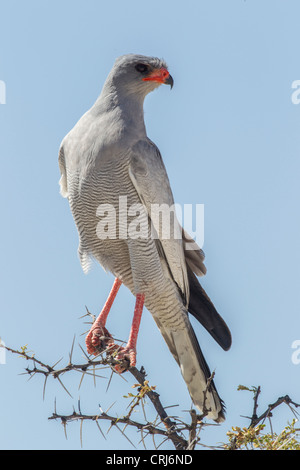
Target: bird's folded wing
x: 150, y: 179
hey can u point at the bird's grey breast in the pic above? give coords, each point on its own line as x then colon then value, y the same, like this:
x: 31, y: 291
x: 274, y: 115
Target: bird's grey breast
x: 97, y: 160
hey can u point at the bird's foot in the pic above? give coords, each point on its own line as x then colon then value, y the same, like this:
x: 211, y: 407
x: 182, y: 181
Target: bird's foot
x: 126, y: 355
x: 98, y: 340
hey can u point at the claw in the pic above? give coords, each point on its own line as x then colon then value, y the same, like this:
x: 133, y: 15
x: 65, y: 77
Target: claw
x: 98, y: 339
x: 125, y: 354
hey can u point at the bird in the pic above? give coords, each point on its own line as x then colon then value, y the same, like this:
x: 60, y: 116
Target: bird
x: 109, y: 167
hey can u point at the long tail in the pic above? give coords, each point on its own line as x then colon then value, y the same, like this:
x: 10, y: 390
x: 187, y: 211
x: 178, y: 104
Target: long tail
x: 185, y: 348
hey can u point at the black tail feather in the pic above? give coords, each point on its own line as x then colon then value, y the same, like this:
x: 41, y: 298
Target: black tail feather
x: 202, y: 308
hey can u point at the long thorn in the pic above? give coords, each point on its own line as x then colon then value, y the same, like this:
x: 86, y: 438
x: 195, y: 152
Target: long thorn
x: 71, y: 352
x: 100, y: 429
x: 44, y: 388
x: 64, y: 387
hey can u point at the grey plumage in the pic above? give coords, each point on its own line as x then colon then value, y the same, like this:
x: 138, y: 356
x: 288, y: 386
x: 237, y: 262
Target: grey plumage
x: 107, y: 155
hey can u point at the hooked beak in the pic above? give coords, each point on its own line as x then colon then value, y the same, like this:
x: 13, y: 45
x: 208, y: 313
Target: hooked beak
x: 169, y: 81
x: 161, y: 75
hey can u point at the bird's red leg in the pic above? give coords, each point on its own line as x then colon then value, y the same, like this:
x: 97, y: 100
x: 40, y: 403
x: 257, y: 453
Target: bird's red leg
x: 130, y: 349
x: 98, y: 334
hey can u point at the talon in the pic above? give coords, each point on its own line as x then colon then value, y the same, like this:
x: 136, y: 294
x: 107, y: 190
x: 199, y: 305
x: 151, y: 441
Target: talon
x: 98, y: 339
x: 119, y: 369
x: 128, y: 354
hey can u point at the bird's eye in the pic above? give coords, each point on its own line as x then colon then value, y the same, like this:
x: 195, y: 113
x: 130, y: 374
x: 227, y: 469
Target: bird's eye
x: 142, y: 68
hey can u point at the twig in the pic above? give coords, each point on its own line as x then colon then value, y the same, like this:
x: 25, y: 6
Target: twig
x: 268, y: 413
x: 193, y: 428
x: 255, y: 420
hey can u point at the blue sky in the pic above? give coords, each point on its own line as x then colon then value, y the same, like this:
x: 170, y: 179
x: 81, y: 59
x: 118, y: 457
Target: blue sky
x: 229, y: 134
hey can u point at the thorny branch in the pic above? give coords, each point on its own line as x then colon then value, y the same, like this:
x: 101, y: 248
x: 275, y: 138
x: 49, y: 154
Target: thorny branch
x: 268, y: 413
x: 184, y: 436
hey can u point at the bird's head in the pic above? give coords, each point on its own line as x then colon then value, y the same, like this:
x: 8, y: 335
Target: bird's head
x: 139, y: 74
